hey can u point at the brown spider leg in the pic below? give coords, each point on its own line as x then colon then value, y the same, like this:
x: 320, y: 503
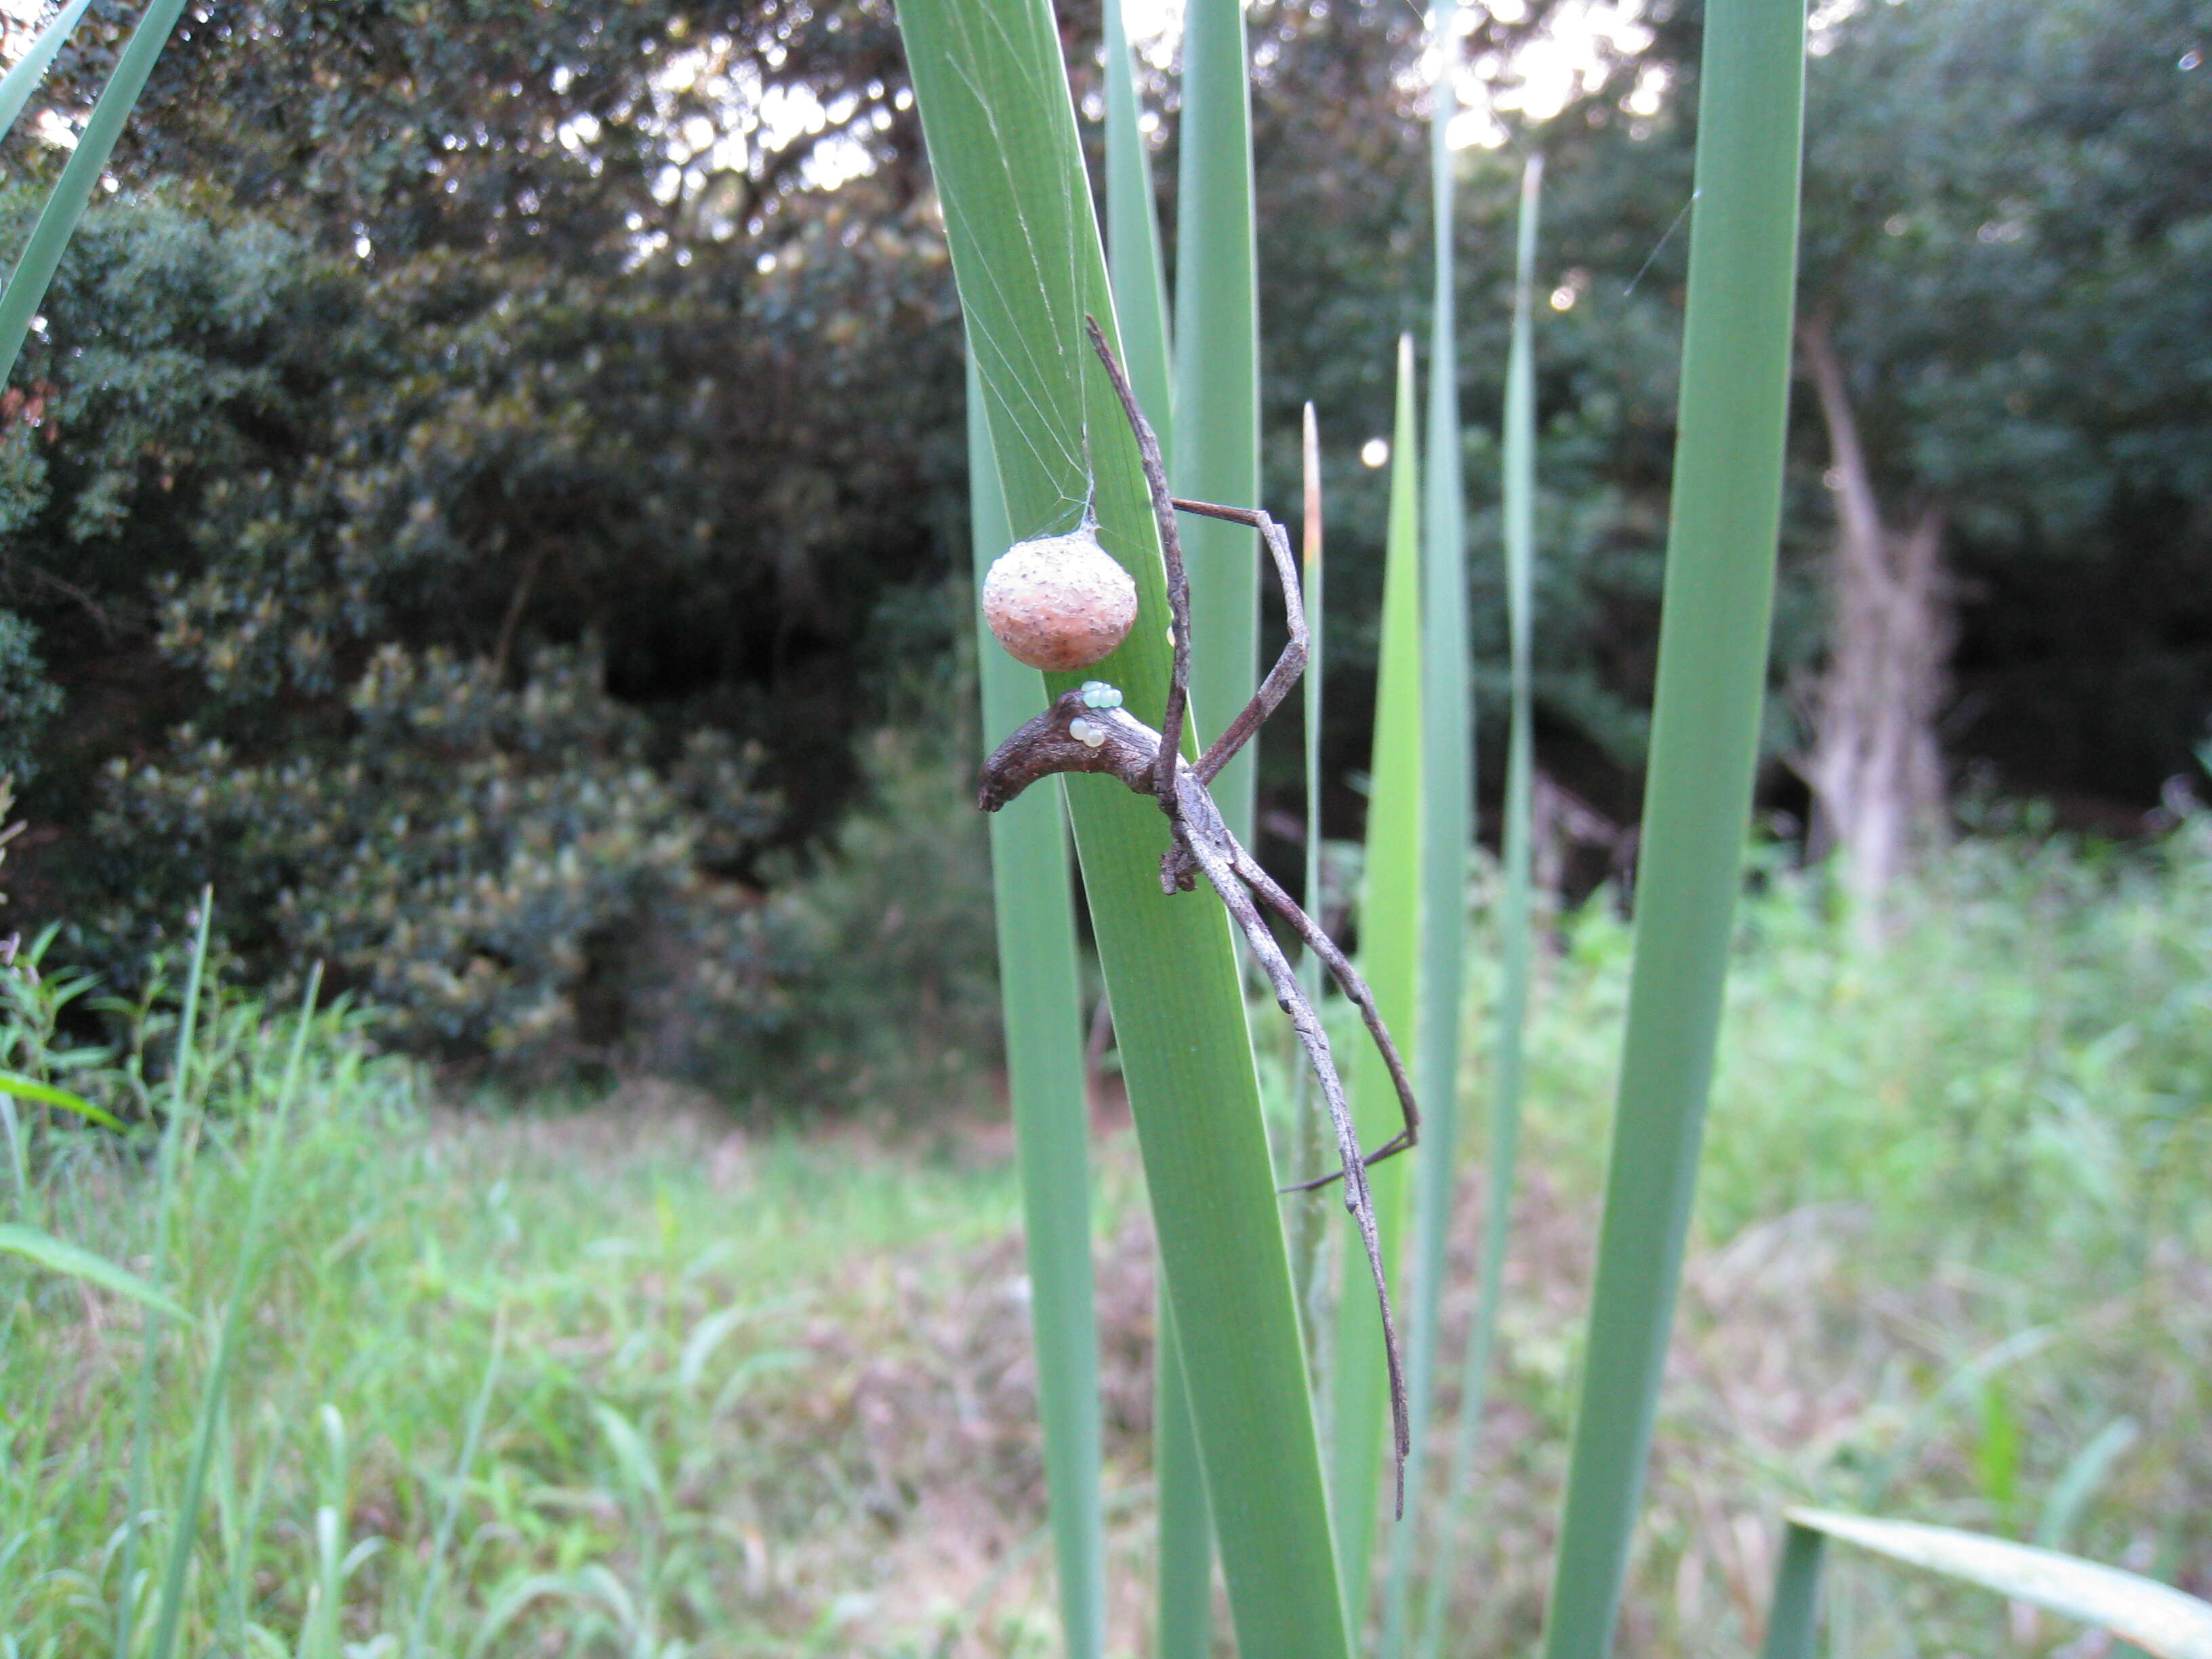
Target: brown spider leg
x: 1269, y: 892
x: 1288, y: 666
x: 1156, y: 480
x: 1358, y: 1199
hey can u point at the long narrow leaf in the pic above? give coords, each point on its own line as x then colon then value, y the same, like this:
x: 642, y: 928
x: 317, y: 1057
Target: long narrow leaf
x: 1185, y: 1532
x: 1001, y: 127
x: 1712, y: 663
x: 1041, y: 995
x: 58, y: 1256
x: 16, y: 87
x: 1216, y: 457
x: 164, y: 1189
x: 1514, y: 919
x: 1308, y: 1221
x: 1447, y: 812
x: 2157, y: 1618
x: 470, y: 1434
x: 46, y: 1094
x: 1793, y: 1613
x: 1183, y: 1544
x: 185, y: 1524
x: 1389, y: 945
x: 42, y: 254
x: 1133, y: 238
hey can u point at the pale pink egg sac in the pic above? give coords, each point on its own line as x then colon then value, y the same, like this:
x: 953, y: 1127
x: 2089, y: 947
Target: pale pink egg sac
x: 1059, y: 602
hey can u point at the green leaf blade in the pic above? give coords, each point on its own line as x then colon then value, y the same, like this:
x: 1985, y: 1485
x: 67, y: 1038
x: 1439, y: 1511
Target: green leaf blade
x: 1001, y: 129
x: 1042, y: 996
x: 58, y: 1256
x: 22, y: 80
x: 1447, y: 815
x: 1722, y: 531
x: 1389, y: 954
x: 1216, y: 456
x: 2157, y: 1618
x: 42, y: 254
x: 46, y: 1094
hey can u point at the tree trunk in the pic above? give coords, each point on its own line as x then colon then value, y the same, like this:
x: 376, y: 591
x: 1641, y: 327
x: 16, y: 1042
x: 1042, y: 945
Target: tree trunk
x: 1874, y: 767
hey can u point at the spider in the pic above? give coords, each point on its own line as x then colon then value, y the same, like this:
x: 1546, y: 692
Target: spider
x: 1087, y: 730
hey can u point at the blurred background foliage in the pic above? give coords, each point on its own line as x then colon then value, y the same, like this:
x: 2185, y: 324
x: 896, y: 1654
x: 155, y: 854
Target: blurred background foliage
x: 488, y: 490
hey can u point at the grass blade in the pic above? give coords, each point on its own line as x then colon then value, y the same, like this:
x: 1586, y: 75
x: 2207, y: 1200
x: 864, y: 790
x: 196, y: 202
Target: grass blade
x: 1043, y: 1000
x: 1001, y: 127
x: 1216, y: 455
x: 46, y: 1094
x: 42, y: 254
x: 185, y: 1524
x: 1133, y: 240
x: 1712, y: 660
x: 58, y: 1256
x: 471, y: 1433
x: 1185, y: 1537
x: 2155, y: 1617
x: 1308, y: 1220
x: 1447, y: 817
x: 1184, y: 1545
x: 2079, y: 1481
x: 1793, y: 1615
x: 149, y: 1364
x: 1389, y: 944
x: 16, y: 87
x: 1516, y: 914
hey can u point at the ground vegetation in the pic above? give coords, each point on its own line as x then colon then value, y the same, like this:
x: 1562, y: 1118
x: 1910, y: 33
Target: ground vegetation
x: 770, y: 1391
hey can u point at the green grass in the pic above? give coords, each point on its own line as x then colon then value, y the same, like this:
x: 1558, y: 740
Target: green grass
x: 770, y: 1393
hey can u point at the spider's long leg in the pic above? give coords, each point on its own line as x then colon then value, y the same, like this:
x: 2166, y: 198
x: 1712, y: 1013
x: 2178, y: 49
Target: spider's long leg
x: 1288, y: 666
x: 1356, y: 1197
x: 1156, y: 479
x: 1265, y: 888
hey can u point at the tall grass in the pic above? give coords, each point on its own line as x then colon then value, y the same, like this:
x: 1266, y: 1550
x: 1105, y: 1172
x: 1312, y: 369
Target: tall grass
x: 1516, y: 918
x: 1040, y: 990
x: 1447, y: 810
x: 1216, y: 457
x: 822, y: 1343
x: 1184, y: 1546
x: 1308, y: 1221
x: 1389, y: 954
x: 1722, y: 533
x: 758, y: 1312
x: 179, y: 1139
x: 1001, y: 128
x: 184, y: 1524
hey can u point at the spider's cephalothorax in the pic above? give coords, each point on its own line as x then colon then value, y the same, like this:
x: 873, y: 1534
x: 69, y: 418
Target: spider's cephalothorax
x: 1087, y: 730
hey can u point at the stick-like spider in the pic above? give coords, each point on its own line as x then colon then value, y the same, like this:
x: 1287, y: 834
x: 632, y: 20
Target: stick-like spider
x: 1088, y: 730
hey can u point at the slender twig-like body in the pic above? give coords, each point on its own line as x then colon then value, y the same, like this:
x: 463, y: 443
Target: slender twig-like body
x: 1087, y: 731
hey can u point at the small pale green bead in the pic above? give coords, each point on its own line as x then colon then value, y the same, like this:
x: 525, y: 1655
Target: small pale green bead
x: 1096, y: 694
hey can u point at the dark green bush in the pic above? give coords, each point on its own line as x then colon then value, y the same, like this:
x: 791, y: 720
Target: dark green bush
x: 27, y: 698
x: 901, y: 986
x: 500, y: 868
